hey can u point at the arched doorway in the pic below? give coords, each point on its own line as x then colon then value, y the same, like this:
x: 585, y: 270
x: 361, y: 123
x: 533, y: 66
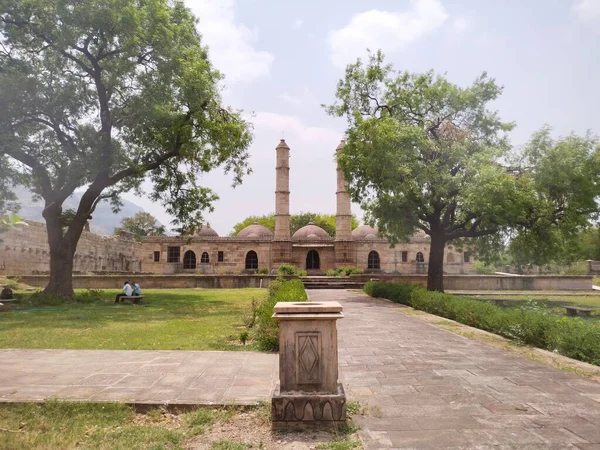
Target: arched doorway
x: 312, y: 260
x: 373, y: 261
x: 251, y: 260
x: 189, y: 260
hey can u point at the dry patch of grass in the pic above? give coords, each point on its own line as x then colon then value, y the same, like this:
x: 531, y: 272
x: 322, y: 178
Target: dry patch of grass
x: 66, y: 425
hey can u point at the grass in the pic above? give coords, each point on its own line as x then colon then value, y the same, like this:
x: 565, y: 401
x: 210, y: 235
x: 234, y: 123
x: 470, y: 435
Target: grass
x: 173, y: 319
x: 553, y: 303
x: 81, y: 425
x: 66, y: 425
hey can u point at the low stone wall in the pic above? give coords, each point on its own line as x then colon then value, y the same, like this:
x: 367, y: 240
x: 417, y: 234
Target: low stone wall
x: 451, y: 282
x: 492, y: 282
x: 159, y: 281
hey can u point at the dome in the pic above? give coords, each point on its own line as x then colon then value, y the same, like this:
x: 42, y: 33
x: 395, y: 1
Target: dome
x: 255, y: 231
x: 365, y: 232
x: 311, y: 231
x: 206, y: 231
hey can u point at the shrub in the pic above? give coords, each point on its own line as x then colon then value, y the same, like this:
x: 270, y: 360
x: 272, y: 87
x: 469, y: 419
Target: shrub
x: 343, y: 271
x: 289, y: 269
x: 528, y: 325
x: 263, y: 271
x: 50, y: 299
x: 280, y: 290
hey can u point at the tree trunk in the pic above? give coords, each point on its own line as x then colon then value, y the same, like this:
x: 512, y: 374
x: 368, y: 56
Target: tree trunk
x: 435, y: 271
x: 61, y: 270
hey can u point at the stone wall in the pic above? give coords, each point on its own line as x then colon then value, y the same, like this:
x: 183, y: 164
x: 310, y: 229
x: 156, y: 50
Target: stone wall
x: 493, y: 282
x: 451, y: 282
x: 160, y: 281
x: 24, y: 251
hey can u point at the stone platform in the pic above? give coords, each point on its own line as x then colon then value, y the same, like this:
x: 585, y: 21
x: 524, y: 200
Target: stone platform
x: 426, y: 388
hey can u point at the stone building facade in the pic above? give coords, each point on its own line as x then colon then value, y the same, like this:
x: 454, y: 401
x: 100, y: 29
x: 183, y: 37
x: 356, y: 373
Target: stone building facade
x: 310, y: 248
x: 24, y: 250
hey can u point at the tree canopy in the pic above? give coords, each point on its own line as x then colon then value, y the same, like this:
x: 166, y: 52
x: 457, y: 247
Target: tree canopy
x: 297, y: 221
x: 141, y: 225
x: 423, y: 153
x: 105, y: 94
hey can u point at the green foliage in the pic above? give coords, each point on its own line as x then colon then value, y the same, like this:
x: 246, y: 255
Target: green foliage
x: 290, y: 269
x: 105, y: 94
x: 263, y: 271
x: 481, y: 268
x: 141, y: 225
x: 343, y: 271
x: 527, y: 325
x: 244, y: 337
x: 280, y: 290
x: 297, y: 221
x: 425, y: 154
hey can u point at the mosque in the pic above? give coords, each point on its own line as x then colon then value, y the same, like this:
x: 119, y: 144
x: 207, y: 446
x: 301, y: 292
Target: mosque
x: 256, y: 248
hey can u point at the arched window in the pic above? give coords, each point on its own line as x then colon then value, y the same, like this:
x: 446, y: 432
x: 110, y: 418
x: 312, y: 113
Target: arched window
x: 189, y: 260
x: 251, y: 260
x: 312, y: 260
x: 373, y: 261
x: 420, y: 257
x: 204, y: 259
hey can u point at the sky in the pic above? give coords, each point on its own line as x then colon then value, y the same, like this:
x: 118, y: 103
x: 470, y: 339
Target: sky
x: 282, y: 60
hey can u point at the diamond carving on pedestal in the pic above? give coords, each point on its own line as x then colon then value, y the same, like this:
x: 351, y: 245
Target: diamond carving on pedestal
x: 308, y: 355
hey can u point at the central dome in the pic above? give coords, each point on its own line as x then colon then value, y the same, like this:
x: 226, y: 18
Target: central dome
x: 311, y: 231
x: 206, y: 231
x: 365, y: 232
x: 255, y: 231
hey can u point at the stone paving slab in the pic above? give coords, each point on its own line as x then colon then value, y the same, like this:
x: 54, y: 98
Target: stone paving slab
x: 427, y: 388
x: 137, y: 376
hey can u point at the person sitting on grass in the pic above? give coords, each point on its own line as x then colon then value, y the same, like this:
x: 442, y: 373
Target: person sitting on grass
x: 6, y: 294
x: 137, y: 290
x: 127, y: 291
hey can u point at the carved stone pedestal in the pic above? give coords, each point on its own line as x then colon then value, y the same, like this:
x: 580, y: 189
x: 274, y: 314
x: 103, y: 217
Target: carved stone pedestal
x: 309, y: 394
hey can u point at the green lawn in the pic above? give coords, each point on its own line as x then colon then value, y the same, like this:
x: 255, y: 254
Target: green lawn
x: 171, y: 319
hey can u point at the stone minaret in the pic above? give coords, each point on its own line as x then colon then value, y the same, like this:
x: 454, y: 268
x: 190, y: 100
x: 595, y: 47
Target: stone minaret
x: 344, y: 254
x: 282, y: 248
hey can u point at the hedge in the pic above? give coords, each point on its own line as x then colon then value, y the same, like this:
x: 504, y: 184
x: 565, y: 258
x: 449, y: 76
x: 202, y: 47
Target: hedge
x: 280, y: 290
x: 571, y: 337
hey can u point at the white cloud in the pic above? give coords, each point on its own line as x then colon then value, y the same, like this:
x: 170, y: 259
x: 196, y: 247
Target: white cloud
x: 298, y: 24
x: 460, y: 24
x: 588, y: 10
x: 307, y: 98
x: 230, y: 43
x: 389, y: 31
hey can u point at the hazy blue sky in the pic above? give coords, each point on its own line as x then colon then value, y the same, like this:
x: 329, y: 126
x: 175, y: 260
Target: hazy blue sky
x: 282, y: 59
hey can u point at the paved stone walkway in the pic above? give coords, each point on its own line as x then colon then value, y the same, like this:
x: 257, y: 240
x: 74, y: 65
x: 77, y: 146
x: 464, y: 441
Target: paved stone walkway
x: 142, y: 377
x: 428, y: 388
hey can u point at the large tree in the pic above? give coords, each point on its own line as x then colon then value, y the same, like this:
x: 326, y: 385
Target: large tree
x: 105, y: 94
x: 141, y: 225
x: 423, y: 153
x: 297, y: 221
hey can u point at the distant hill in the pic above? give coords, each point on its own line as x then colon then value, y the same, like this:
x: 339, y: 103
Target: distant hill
x: 104, y: 221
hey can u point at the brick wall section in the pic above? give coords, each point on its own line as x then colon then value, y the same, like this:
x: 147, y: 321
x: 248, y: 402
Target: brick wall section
x: 24, y: 251
x: 451, y: 282
x: 160, y: 281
